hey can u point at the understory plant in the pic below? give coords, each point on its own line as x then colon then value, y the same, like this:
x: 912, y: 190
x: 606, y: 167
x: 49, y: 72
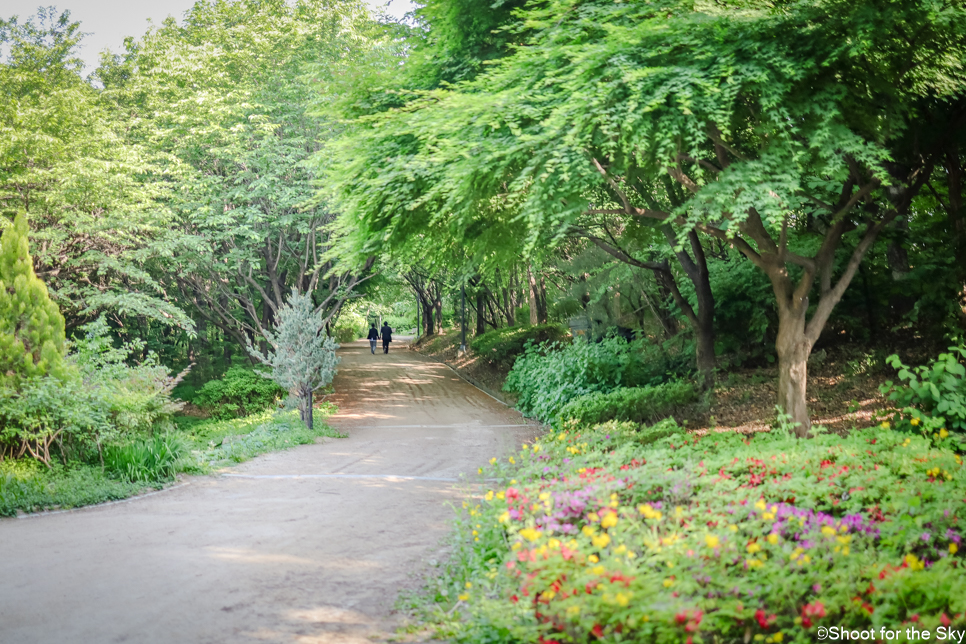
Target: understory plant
x: 931, y: 398
x: 547, y: 377
x: 635, y: 404
x: 593, y: 534
x: 240, y: 392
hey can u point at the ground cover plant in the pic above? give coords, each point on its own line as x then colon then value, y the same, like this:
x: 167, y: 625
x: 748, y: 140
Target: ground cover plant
x: 222, y: 442
x: 240, y: 392
x: 588, y: 535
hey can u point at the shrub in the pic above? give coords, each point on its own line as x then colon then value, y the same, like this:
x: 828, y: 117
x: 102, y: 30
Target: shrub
x: 44, y: 413
x: 240, y: 392
x: 635, y: 404
x: 547, y: 377
x: 149, y: 460
x: 349, y: 327
x: 32, y: 340
x: 503, y: 346
x: 721, y: 538
x: 933, y: 397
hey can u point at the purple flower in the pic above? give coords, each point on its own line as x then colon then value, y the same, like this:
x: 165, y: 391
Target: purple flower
x: 817, y: 589
x: 925, y: 536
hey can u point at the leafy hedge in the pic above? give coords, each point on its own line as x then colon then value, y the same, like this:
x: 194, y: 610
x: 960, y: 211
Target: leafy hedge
x: 635, y: 404
x: 502, y: 346
x: 717, y: 538
x: 548, y: 377
x: 240, y: 392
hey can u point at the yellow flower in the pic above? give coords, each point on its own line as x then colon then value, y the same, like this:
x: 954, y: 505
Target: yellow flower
x: 733, y: 528
x: 489, y: 496
x: 778, y: 637
x: 712, y: 541
x: 609, y: 521
x: 597, y: 570
x: 561, y: 436
x: 464, y: 597
x: 548, y: 594
x: 768, y: 516
x: 588, y: 530
x: 668, y: 582
x: 773, y: 539
x: 885, y: 425
x: 501, y: 494
x: 512, y: 460
x: 943, y: 433
x: 469, y: 585
x: 913, y: 562
x: 914, y: 422
x: 953, y: 548
x: 678, y: 511
x: 573, y: 610
x: 525, y: 446
x: 504, y: 517
x: 828, y: 531
x: 844, y: 539
x: 593, y: 517
x: 622, y: 599
x: 754, y: 563
x: 479, y: 470
x: 493, y: 461
x: 475, y: 533
x: 619, y: 550
x: 760, y: 504
x: 593, y: 559
x: 536, y: 448
x: 530, y: 534
x: 601, y: 541
x: 753, y: 547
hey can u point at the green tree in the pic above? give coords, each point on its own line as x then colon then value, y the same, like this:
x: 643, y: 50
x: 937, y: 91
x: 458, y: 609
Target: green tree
x: 774, y: 129
x: 227, y: 98
x: 31, y: 326
x: 303, y: 359
x: 92, y: 193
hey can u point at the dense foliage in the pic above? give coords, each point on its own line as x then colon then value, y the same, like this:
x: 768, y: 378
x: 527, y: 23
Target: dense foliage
x: 547, y: 377
x: 240, y: 392
x: 503, y: 346
x: 634, y: 404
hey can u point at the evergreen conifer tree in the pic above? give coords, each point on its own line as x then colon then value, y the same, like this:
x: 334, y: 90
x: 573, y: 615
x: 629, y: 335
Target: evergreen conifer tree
x: 32, y: 341
x: 304, y: 358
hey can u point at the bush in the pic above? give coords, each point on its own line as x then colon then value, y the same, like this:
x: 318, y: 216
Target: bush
x: 349, y: 327
x: 722, y: 538
x: 933, y: 398
x: 150, y: 460
x: 503, y: 346
x: 240, y: 392
x: 634, y: 404
x: 547, y: 377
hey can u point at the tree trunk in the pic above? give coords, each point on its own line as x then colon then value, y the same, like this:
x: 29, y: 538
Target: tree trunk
x: 429, y: 326
x: 793, y: 349
x: 305, y: 408
x: 480, y: 307
x: 533, y: 297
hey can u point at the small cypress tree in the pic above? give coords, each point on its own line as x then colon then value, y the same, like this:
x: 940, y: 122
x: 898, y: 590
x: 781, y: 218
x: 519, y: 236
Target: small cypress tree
x: 304, y: 359
x: 32, y: 341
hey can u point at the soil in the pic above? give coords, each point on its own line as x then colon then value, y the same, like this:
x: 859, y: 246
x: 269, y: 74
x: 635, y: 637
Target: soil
x: 309, y: 545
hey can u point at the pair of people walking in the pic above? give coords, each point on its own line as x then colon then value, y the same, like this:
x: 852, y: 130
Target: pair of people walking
x: 386, y: 337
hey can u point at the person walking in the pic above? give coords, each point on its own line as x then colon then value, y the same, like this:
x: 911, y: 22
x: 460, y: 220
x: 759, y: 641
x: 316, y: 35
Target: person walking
x: 386, y: 336
x: 373, y: 336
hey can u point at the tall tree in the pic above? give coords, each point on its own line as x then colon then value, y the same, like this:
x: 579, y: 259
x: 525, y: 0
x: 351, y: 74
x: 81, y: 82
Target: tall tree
x: 66, y: 159
x: 228, y: 97
x: 761, y: 122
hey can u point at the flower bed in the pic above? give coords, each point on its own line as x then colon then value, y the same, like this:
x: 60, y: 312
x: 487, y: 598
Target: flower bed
x: 721, y: 538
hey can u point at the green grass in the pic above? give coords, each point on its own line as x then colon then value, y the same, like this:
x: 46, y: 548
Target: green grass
x: 196, y: 446
x: 28, y: 486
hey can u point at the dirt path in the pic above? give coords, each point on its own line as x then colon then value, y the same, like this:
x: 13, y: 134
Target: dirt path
x: 308, y: 545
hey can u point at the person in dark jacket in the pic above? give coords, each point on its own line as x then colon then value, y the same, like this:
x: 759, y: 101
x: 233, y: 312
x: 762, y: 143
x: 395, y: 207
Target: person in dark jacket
x: 386, y: 336
x: 373, y: 336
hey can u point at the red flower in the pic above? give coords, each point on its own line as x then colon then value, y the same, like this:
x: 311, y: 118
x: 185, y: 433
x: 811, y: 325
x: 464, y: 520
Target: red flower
x: 945, y: 620
x: 514, y: 598
x: 598, y: 630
